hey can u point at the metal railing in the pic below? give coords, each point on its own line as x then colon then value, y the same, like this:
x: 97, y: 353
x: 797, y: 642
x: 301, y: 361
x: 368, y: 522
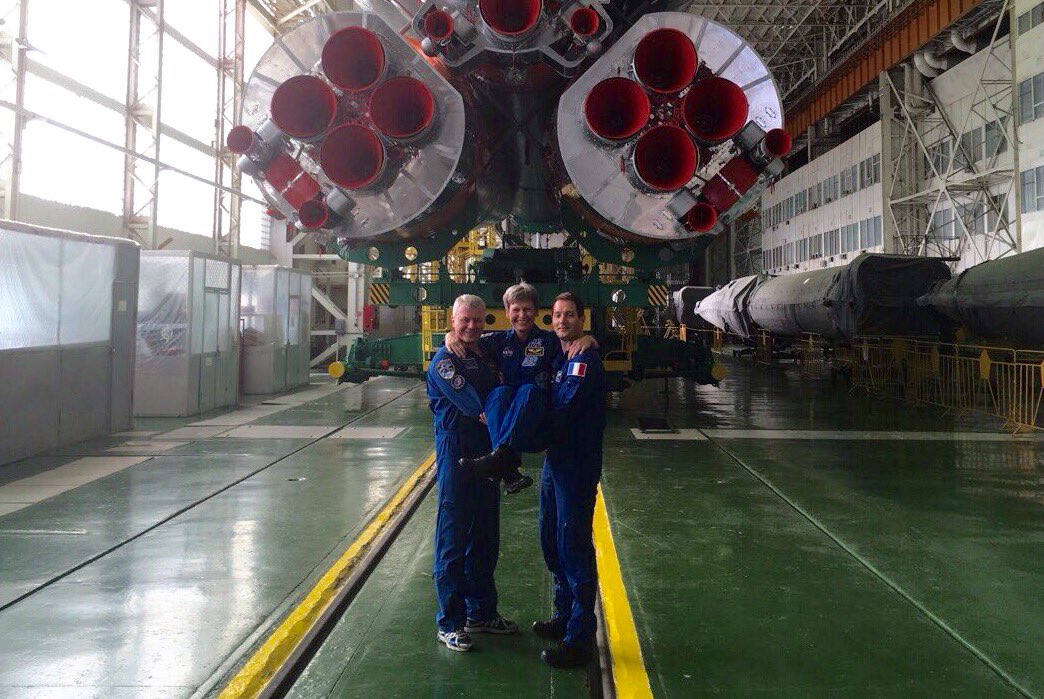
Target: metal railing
x: 1000, y: 381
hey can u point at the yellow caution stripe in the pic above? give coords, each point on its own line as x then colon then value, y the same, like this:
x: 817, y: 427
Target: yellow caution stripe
x: 658, y: 295
x: 252, y: 678
x: 379, y: 294
x: 629, y: 675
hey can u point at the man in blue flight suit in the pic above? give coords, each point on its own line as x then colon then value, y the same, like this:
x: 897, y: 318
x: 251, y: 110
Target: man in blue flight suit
x: 467, y: 528
x: 568, y: 487
x: 515, y: 410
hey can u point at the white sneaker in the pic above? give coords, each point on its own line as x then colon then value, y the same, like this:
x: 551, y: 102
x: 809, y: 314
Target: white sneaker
x: 455, y: 640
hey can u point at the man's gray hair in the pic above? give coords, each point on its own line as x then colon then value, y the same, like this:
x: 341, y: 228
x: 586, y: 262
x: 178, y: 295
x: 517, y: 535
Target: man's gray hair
x: 520, y: 292
x: 468, y: 301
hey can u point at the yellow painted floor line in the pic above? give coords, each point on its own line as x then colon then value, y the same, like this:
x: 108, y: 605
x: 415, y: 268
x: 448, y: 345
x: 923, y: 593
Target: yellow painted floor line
x: 281, y: 643
x: 629, y: 675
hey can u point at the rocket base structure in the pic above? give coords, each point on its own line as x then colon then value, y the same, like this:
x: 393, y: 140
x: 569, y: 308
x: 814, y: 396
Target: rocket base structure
x: 389, y: 138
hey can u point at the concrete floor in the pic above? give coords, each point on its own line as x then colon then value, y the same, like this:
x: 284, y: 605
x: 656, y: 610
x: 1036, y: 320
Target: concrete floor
x: 798, y: 540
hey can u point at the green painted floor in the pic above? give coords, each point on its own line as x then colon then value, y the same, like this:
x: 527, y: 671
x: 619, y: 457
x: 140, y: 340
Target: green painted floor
x: 385, y: 645
x: 748, y: 560
x: 155, y: 579
x: 802, y: 541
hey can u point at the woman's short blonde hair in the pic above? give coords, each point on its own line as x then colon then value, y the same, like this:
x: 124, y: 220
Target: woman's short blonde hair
x: 520, y: 292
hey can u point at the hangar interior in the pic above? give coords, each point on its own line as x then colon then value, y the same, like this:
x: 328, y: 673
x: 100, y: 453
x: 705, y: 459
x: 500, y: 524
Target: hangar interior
x: 810, y: 236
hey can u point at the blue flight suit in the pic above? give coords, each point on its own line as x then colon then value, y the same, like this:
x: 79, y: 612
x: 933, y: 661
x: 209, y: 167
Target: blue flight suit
x: 515, y: 410
x: 467, y: 526
x: 568, y: 487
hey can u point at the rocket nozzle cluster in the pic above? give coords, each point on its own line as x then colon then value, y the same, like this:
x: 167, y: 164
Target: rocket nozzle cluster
x: 352, y: 118
x: 674, y: 123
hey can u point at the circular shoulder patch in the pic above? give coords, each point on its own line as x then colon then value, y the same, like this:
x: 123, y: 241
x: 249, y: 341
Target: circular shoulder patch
x: 446, y: 369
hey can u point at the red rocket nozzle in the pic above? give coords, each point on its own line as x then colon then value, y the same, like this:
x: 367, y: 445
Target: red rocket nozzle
x: 353, y: 59
x: 616, y: 109
x: 715, y: 109
x: 352, y: 156
x: 665, y: 60
x: 314, y: 213
x: 402, y: 107
x: 584, y: 22
x: 240, y: 139
x: 701, y: 218
x: 510, y: 17
x: 665, y: 158
x: 777, y: 143
x: 438, y: 24
x: 304, y: 106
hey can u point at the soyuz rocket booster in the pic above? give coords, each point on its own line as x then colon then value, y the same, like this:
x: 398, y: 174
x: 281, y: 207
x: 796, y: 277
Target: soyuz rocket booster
x: 375, y: 128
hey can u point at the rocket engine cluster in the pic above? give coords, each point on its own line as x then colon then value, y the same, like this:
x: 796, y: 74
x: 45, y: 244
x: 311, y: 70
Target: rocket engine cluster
x: 372, y: 126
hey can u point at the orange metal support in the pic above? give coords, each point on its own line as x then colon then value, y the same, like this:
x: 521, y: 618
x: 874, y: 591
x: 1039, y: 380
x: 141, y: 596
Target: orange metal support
x: 895, y: 42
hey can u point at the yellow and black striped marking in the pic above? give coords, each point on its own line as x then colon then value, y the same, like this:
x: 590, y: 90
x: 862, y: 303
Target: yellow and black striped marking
x: 379, y: 294
x: 658, y: 295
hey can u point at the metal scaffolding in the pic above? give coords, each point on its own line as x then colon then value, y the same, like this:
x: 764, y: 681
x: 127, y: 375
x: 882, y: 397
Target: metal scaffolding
x: 142, y: 136
x: 933, y: 166
x: 228, y: 204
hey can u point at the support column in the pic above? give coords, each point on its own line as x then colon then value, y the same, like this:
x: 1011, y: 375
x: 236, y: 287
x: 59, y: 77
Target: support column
x: 228, y: 204
x: 13, y: 166
x: 144, y: 106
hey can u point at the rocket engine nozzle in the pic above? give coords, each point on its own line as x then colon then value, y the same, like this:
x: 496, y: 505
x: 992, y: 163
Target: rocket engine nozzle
x: 584, y: 22
x: 314, y: 214
x: 354, y: 59
x: 438, y: 25
x: 352, y: 156
x: 616, y: 109
x: 701, y: 218
x: 402, y: 108
x: 304, y: 106
x: 665, y: 158
x: 511, y: 18
x: 777, y: 143
x: 240, y: 139
x: 665, y: 60
x: 715, y: 109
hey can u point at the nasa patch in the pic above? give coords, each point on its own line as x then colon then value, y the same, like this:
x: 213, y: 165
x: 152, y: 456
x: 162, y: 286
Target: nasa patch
x: 457, y: 382
x: 446, y: 369
x: 530, y: 360
x: 507, y: 352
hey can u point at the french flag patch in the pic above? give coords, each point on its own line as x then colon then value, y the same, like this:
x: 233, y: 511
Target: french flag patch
x: 578, y: 369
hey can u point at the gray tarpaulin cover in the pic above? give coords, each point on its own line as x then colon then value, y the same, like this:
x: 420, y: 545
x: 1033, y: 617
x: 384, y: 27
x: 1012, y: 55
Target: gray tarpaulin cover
x: 726, y: 307
x: 999, y: 299
x: 685, y: 301
x: 871, y: 296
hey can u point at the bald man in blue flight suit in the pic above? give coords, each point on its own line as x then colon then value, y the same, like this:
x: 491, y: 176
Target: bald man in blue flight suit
x: 467, y: 529
x: 515, y: 410
x: 568, y: 488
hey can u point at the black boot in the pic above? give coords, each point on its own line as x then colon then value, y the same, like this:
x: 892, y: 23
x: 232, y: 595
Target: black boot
x: 515, y: 480
x: 494, y: 465
x: 554, y: 629
x: 567, y: 655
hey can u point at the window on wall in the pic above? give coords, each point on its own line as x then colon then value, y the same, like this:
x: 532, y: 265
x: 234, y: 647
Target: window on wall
x: 1031, y: 18
x: 800, y: 203
x: 815, y: 195
x: 939, y: 156
x: 1033, y: 190
x: 1031, y: 98
x: 996, y: 141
